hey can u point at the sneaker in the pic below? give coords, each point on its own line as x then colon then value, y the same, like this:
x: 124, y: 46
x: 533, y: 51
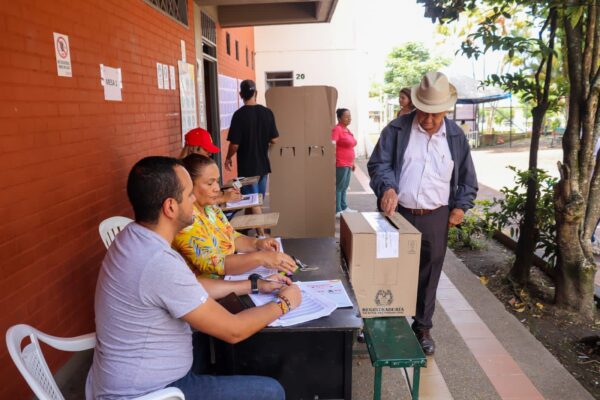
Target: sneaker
x: 338, y: 214
x: 348, y: 209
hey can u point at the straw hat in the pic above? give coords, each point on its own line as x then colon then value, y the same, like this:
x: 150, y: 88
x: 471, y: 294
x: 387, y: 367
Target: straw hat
x: 434, y: 94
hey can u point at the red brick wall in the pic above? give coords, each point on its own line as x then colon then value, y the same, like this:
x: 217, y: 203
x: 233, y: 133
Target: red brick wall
x: 228, y: 65
x: 65, y: 152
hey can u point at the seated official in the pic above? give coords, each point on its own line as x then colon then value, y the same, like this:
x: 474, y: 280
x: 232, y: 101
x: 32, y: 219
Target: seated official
x: 210, y: 243
x: 147, y: 298
x: 198, y: 141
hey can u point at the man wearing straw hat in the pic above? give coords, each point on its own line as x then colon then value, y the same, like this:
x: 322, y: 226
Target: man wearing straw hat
x: 422, y: 168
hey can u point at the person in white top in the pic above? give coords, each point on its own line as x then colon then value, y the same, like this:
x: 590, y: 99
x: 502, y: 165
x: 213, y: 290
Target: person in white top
x: 422, y: 168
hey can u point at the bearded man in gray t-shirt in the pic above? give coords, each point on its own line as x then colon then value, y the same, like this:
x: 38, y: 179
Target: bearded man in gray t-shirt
x: 147, y: 298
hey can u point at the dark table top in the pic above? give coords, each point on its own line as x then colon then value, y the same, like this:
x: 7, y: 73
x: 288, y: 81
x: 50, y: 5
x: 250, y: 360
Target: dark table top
x: 325, y: 254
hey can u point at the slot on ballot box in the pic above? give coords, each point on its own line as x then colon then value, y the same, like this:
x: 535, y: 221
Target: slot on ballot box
x: 382, y: 256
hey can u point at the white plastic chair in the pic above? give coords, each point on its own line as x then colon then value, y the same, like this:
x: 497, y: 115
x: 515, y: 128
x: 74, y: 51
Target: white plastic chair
x: 110, y: 227
x: 32, y: 365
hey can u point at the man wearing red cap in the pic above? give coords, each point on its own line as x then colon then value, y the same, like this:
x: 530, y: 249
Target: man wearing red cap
x: 198, y: 140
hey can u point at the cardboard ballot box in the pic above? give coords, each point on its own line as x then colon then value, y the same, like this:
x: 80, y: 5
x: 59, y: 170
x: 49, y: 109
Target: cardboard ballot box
x: 383, y: 262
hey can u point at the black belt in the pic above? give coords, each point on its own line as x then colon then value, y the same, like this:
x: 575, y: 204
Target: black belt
x: 419, y: 211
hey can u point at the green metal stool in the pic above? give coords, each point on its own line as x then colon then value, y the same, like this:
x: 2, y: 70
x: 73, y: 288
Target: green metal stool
x: 392, y: 343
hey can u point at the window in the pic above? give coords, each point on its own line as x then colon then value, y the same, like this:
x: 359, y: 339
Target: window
x: 253, y: 54
x: 176, y: 9
x: 276, y: 79
x: 228, y: 43
x: 237, y: 50
x: 247, y: 59
x: 209, y: 29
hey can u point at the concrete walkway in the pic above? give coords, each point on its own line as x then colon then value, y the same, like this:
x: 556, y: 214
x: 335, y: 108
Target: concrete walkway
x: 483, y: 351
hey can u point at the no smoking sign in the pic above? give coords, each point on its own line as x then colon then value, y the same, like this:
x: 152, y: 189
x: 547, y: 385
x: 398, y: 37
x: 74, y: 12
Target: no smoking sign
x: 63, y: 56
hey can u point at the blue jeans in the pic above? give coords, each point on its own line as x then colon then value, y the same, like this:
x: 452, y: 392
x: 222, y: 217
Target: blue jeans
x: 258, y: 187
x: 236, y: 387
x: 342, y: 181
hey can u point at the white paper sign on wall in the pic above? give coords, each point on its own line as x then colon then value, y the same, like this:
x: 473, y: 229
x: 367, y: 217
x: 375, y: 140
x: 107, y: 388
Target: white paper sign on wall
x: 111, y: 80
x: 63, y: 55
x: 159, y: 76
x: 172, y: 75
x: 165, y: 74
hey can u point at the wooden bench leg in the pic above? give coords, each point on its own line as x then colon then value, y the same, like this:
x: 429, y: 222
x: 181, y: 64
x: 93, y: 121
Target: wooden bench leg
x: 415, y: 385
x: 377, y: 384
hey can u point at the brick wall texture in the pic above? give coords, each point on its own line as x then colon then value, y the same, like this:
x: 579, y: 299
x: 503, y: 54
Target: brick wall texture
x: 65, y: 152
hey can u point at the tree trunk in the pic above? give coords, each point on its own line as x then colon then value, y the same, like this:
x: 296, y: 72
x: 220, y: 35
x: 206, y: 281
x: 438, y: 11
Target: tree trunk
x: 528, y: 231
x: 575, y: 271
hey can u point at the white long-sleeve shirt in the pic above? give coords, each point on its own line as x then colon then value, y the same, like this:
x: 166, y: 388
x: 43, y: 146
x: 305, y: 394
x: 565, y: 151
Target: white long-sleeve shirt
x: 426, y: 170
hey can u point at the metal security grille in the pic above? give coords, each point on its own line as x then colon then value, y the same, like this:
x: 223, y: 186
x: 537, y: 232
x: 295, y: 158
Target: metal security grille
x: 209, y: 29
x: 276, y: 79
x: 176, y: 9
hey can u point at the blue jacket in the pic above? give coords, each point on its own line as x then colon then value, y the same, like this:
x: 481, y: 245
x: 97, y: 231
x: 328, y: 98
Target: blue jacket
x: 386, y: 161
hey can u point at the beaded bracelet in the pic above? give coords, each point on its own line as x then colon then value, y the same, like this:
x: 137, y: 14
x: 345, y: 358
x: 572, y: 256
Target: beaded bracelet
x: 282, y: 306
x: 287, y: 301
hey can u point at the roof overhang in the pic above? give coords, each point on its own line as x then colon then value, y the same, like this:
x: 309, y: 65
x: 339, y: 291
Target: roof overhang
x: 235, y: 13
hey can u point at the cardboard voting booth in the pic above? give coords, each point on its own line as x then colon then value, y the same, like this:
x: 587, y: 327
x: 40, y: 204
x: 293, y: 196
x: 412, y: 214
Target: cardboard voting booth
x: 383, y: 262
x: 302, y: 181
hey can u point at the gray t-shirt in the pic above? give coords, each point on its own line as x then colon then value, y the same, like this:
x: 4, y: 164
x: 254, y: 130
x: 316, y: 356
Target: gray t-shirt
x: 143, y: 290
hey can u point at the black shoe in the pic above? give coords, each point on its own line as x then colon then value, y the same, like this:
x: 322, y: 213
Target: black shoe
x: 426, y: 342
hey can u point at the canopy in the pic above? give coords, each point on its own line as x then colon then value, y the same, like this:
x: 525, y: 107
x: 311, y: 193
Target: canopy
x: 471, y: 92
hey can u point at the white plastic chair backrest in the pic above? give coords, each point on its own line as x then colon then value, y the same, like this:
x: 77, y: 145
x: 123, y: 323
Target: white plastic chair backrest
x: 110, y: 227
x: 31, y: 363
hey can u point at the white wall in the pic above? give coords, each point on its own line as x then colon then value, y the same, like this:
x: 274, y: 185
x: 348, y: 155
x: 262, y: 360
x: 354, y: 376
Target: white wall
x: 326, y: 54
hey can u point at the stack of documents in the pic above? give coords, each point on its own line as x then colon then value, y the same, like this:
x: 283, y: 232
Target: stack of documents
x: 333, y: 289
x: 248, y: 200
x: 313, y: 306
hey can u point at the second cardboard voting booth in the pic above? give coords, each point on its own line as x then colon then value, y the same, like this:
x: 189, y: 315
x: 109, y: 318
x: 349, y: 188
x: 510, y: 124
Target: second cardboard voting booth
x: 302, y: 181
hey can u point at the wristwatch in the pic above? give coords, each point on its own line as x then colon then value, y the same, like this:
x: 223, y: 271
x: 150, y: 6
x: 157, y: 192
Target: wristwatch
x: 254, y: 282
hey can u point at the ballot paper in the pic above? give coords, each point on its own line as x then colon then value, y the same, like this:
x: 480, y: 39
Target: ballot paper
x: 313, y: 306
x: 388, y: 237
x: 262, y: 271
x: 332, y: 289
x: 248, y: 200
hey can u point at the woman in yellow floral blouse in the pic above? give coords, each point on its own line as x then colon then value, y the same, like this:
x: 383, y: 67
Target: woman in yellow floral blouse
x: 210, y: 244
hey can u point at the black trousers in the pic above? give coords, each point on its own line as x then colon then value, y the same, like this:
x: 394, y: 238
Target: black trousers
x: 434, y: 239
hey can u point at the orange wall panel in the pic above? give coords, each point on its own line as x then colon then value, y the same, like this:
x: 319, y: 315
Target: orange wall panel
x: 65, y: 152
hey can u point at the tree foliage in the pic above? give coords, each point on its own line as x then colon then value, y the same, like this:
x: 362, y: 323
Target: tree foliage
x: 406, y: 65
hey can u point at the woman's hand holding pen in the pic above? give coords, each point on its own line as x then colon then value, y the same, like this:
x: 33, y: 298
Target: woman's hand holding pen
x: 231, y: 195
x: 279, y: 261
x: 273, y: 283
x: 267, y: 244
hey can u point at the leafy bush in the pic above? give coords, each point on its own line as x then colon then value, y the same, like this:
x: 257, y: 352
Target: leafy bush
x: 507, y: 213
x: 473, y: 229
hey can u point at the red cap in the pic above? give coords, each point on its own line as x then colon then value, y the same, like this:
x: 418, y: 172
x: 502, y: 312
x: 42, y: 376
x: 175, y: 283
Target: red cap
x: 201, y: 138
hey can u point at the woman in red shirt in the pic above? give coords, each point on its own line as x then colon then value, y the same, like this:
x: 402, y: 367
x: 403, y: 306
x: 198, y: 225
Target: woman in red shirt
x: 344, y: 159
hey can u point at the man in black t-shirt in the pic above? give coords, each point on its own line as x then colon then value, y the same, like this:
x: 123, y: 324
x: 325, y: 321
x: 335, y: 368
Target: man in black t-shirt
x: 251, y: 132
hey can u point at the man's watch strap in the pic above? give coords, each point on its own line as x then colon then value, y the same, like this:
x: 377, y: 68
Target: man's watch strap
x: 254, y: 283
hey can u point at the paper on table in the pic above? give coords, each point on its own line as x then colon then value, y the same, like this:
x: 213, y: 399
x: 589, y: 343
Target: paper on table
x: 313, y: 306
x: 332, y: 289
x: 247, y: 200
x: 262, y: 271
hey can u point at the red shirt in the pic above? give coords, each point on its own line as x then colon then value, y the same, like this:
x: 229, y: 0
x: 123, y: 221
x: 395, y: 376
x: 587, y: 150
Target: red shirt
x: 344, y: 146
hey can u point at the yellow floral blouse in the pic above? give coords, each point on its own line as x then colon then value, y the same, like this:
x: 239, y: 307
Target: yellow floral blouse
x: 205, y: 244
